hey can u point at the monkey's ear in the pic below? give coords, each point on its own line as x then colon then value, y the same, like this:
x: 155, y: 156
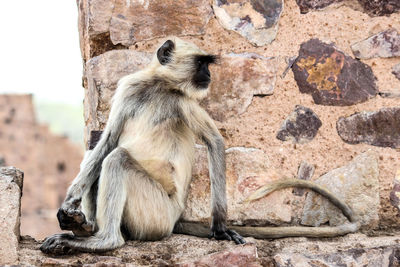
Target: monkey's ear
x: 165, y: 51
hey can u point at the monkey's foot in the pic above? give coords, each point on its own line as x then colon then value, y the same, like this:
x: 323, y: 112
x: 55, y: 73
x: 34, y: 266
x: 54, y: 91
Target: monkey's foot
x: 75, y: 221
x: 227, y: 235
x: 58, y: 244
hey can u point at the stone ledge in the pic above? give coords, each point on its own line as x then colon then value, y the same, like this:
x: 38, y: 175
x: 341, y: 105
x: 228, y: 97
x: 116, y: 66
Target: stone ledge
x: 11, y: 180
x: 180, y: 250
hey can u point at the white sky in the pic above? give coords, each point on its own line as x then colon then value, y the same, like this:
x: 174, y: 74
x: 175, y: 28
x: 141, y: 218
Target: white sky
x: 39, y: 50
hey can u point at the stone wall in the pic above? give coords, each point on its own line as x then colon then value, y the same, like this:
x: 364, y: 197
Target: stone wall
x: 49, y: 161
x: 178, y: 250
x: 306, y: 82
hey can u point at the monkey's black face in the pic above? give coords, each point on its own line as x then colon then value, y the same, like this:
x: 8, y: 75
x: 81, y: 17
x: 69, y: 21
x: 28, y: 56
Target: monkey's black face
x: 202, y: 77
x: 201, y: 74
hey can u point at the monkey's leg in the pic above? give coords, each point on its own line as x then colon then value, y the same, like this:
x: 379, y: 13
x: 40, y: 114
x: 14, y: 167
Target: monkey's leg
x: 117, y: 169
x: 151, y: 210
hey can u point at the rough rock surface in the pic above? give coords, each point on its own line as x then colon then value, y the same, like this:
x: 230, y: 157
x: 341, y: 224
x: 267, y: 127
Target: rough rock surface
x: 102, y: 74
x: 133, y: 21
x: 396, y: 71
x: 238, y: 256
x: 373, y: 8
x: 380, y: 7
x: 105, y: 25
x: 395, y: 193
x: 357, y: 184
x: 305, y: 172
x: 247, y: 170
x: 256, y: 20
x: 353, y: 250
x: 355, y: 257
x: 308, y: 5
x: 384, y: 44
x: 11, y: 180
x: 176, y: 250
x: 378, y: 128
x: 236, y: 80
x: 331, y: 77
x: 301, y: 126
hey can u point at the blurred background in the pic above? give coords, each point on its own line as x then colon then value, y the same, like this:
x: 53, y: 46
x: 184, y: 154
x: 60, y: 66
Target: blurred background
x: 41, y: 104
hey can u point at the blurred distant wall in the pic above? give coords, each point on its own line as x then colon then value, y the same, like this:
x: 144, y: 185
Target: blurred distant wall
x: 49, y: 163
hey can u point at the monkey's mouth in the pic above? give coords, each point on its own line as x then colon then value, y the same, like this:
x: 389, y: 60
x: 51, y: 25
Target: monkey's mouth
x: 203, y: 85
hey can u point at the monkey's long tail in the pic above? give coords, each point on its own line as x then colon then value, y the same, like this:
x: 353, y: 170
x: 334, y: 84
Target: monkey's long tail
x: 282, y: 184
x: 201, y: 230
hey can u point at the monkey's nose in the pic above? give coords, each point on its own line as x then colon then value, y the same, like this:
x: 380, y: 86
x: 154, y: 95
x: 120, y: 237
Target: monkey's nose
x: 207, y: 72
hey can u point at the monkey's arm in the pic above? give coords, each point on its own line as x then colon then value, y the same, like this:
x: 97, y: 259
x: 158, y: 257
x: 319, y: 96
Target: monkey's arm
x: 91, y: 166
x: 205, y: 128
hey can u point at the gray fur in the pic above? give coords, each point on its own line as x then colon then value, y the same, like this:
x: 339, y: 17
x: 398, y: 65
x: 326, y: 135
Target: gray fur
x: 216, y: 161
x: 90, y: 171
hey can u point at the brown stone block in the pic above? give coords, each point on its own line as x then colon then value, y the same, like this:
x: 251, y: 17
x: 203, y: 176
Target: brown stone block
x: 305, y: 172
x: 395, y: 193
x: 357, y: 184
x: 377, y: 128
x: 309, y: 5
x: 396, y: 71
x: 134, y: 21
x: 245, y: 255
x: 384, y: 44
x: 354, y: 257
x: 331, y: 77
x: 301, y: 126
x: 380, y: 7
x: 11, y: 181
x: 255, y: 20
x: 371, y: 7
x: 236, y: 80
x: 247, y: 169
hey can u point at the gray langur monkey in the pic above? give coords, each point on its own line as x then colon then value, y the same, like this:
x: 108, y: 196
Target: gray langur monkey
x: 134, y: 183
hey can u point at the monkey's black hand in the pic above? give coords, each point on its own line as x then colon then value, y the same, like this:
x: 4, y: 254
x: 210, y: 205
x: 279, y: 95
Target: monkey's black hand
x: 69, y: 220
x: 222, y: 233
x: 76, y: 221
